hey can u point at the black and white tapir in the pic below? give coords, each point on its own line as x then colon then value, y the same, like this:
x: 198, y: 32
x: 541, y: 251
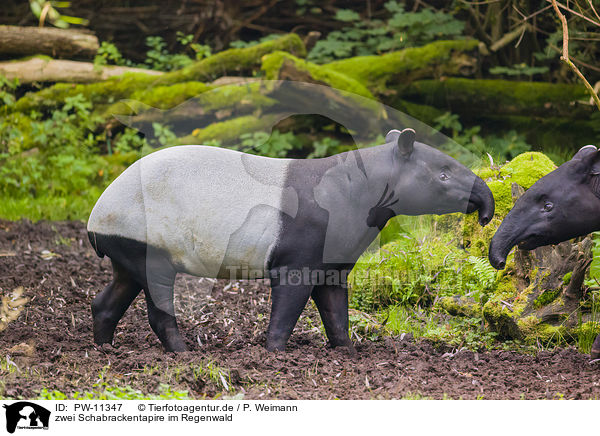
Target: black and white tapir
x: 562, y: 205
x: 216, y: 212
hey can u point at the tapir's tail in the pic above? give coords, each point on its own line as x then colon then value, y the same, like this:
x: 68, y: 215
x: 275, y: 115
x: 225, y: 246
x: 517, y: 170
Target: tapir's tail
x: 92, y: 238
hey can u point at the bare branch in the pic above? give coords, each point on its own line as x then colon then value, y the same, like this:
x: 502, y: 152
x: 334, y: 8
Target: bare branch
x: 565, y: 54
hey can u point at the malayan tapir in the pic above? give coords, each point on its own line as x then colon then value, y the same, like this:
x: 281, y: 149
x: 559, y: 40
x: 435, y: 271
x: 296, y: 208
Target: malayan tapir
x: 562, y: 205
x: 303, y: 223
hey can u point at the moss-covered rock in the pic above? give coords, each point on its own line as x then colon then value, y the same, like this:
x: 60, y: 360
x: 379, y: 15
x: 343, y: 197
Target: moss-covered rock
x: 523, y: 171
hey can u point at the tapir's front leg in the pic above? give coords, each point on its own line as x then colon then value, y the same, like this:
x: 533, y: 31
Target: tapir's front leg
x: 332, y: 302
x: 287, y: 304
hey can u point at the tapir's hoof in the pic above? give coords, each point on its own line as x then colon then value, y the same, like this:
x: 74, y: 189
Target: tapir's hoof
x: 275, y: 344
x: 595, y: 354
x: 178, y: 347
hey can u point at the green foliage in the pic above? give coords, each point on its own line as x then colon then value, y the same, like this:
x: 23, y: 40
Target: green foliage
x: 164, y: 135
x: 324, y: 147
x: 501, y: 148
x: 129, y: 141
x: 468, y: 332
x: 587, y: 331
x: 7, y: 90
x: 104, y: 391
x: 275, y: 145
x: 402, y: 29
x: 52, y: 168
x: 52, y: 14
x: 159, y: 58
x: 108, y: 53
x: 417, y: 269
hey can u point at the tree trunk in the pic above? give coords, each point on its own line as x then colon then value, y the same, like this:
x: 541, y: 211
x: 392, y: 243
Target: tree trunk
x: 39, y: 69
x: 58, y: 43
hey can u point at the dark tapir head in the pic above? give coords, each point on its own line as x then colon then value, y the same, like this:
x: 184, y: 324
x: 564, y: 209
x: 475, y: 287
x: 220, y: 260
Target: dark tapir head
x: 561, y: 205
x: 432, y: 182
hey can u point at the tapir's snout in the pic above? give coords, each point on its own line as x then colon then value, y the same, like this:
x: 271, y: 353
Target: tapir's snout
x: 481, y: 199
x: 497, y: 256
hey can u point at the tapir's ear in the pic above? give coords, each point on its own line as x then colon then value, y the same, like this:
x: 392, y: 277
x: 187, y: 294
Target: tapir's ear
x: 584, y: 151
x: 405, y: 141
x: 589, y: 156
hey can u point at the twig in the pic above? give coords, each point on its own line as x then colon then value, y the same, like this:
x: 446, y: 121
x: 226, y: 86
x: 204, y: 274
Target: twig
x: 566, y: 8
x: 595, y: 13
x: 565, y: 54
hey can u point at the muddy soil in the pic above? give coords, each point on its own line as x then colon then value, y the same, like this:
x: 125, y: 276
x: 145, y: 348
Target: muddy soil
x: 50, y: 345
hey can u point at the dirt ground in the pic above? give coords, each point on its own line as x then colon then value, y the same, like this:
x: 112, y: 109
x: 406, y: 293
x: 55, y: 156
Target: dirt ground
x: 224, y: 323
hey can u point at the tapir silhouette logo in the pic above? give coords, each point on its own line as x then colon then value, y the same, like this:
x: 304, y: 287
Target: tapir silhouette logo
x: 26, y: 415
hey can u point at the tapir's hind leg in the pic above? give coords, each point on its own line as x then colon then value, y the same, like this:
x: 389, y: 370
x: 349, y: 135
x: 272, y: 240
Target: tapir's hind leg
x: 332, y: 302
x: 160, y: 279
x: 109, y: 305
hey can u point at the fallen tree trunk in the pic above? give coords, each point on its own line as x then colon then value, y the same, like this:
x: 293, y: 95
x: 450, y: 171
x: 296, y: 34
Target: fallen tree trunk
x: 440, y: 58
x: 228, y: 62
x: 476, y: 97
x: 58, y: 43
x: 41, y: 69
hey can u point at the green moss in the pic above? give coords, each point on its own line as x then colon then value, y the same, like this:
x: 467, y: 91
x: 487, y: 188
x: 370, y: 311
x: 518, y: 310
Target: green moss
x: 230, y: 131
x: 103, y: 94
x: 208, y: 98
x: 524, y: 170
x: 527, y: 168
x: 376, y: 71
x: 100, y: 93
x: 460, y: 306
x: 504, y: 96
x: 272, y: 63
x: 536, y: 332
x: 546, y: 297
x: 567, y: 278
x: 501, y: 319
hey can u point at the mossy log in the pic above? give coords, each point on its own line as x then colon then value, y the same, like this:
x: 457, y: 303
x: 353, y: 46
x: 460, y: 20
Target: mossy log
x: 45, y: 69
x: 199, y: 106
x: 441, y: 58
x: 238, y: 61
x: 474, y: 97
x: 228, y: 132
x: 127, y: 86
x: 59, y: 43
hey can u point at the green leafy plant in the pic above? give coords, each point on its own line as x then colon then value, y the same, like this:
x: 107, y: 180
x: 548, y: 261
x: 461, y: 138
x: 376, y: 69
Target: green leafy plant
x: 501, y: 148
x: 108, y: 53
x: 366, y: 37
x: 276, y: 144
x: 159, y: 58
x: 47, y: 10
x: 324, y: 147
x: 7, y: 90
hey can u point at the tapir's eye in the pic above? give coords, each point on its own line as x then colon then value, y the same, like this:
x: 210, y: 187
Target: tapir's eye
x: 548, y: 206
x: 444, y: 176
